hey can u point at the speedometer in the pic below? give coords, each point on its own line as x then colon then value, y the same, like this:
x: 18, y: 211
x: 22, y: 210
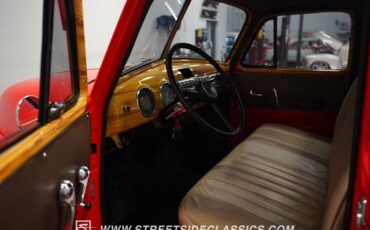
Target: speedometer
x: 167, y: 94
x: 146, y: 102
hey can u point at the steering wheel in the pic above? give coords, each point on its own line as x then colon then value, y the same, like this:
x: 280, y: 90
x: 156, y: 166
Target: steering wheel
x: 206, y: 89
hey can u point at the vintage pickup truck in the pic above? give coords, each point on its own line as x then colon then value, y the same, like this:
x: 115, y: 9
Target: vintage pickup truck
x: 171, y: 132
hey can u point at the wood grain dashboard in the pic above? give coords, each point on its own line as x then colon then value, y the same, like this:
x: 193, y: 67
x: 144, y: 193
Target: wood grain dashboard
x: 150, y: 76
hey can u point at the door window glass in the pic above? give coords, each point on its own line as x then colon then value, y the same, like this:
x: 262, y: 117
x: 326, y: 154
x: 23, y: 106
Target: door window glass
x: 315, y: 41
x: 20, y: 57
x: 20, y: 64
x: 60, y: 75
x: 261, y: 52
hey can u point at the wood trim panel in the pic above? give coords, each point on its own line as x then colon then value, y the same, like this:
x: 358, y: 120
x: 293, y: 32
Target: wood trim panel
x: 35, y: 185
x: 151, y: 76
x: 16, y: 156
x: 81, y: 50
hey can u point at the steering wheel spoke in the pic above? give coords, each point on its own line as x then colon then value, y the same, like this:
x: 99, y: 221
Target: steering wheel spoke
x: 222, y: 116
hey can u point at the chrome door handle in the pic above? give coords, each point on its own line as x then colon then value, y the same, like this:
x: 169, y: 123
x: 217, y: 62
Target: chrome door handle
x: 67, y: 196
x: 253, y: 94
x: 83, y: 177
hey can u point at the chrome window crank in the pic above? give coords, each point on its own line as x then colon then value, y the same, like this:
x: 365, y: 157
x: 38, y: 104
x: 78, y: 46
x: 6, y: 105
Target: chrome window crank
x: 277, y: 103
x: 67, y: 196
x: 83, y: 177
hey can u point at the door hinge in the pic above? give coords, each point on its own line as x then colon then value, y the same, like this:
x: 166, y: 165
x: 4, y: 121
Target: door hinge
x: 360, y: 214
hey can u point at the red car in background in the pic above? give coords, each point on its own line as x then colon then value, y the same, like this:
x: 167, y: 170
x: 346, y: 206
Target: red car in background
x: 23, y: 99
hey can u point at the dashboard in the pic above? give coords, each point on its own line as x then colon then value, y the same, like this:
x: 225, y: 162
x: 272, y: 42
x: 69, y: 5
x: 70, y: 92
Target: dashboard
x: 141, y: 94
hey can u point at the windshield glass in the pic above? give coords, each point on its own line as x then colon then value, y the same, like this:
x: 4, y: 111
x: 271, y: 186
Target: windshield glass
x: 212, y: 26
x: 155, y: 31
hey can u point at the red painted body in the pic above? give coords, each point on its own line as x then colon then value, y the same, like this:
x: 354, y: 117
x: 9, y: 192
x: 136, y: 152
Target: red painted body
x: 362, y: 188
x: 122, y: 38
x: 314, y: 122
x: 9, y: 100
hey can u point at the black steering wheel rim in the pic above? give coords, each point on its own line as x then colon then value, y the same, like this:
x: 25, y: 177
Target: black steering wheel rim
x: 201, y: 121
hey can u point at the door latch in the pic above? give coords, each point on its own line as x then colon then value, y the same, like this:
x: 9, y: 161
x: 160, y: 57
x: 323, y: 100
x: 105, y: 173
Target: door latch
x: 254, y: 94
x: 361, y: 211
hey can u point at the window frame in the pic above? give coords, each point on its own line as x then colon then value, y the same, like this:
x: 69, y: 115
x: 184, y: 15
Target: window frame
x: 45, y: 83
x: 69, y: 12
x: 274, y: 67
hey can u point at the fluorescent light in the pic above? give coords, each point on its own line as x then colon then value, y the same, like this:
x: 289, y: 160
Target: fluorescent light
x: 179, y: 1
x: 171, y: 10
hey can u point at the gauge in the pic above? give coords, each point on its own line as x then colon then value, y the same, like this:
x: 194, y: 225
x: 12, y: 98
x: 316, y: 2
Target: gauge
x: 167, y: 94
x: 146, y: 102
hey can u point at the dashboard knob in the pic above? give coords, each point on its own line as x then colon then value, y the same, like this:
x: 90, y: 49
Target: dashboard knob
x: 126, y: 108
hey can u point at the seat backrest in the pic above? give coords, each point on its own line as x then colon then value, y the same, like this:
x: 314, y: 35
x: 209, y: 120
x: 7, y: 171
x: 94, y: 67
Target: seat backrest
x: 339, y: 163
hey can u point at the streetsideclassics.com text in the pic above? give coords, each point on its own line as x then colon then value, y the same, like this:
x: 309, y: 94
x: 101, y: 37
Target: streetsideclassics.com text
x: 201, y: 227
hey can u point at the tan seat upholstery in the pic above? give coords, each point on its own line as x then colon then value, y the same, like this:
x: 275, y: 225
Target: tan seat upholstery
x: 278, y: 175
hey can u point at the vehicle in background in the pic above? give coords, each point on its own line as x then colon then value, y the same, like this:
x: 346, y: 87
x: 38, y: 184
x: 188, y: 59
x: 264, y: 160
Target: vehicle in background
x: 26, y: 108
x: 306, y: 49
x: 328, y: 61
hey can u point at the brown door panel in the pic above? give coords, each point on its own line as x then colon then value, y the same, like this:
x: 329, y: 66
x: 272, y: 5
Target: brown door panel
x: 29, y: 198
x: 299, y: 92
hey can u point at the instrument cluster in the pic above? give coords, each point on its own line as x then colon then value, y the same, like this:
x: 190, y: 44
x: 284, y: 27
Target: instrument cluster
x: 146, y: 101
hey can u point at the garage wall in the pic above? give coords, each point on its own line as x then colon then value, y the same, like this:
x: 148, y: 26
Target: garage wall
x: 21, y: 34
x: 20, y: 41
x: 190, y: 23
x: 101, y: 18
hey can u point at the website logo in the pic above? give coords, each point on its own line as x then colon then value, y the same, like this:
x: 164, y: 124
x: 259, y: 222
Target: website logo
x: 83, y: 224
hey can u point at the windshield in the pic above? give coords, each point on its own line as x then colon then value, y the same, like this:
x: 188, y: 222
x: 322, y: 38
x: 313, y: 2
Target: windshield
x: 212, y: 26
x: 155, y: 31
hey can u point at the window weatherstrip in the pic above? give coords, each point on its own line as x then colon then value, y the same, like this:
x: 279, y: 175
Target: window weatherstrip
x: 275, y: 42
x: 47, y: 36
